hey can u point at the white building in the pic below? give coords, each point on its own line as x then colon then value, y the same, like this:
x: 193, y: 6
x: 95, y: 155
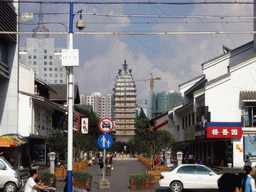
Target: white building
x: 101, y: 104
x: 224, y: 96
x: 36, y: 113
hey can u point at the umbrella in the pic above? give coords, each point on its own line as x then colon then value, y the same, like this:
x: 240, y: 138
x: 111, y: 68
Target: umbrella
x: 13, y: 139
x: 6, y: 143
x: 18, y: 137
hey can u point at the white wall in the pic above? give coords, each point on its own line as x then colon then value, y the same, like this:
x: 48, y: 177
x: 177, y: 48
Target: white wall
x: 26, y: 79
x: 25, y: 115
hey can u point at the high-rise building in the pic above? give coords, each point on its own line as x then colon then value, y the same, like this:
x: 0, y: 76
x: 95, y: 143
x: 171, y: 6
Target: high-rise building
x: 164, y: 101
x: 101, y: 104
x: 40, y: 54
x: 141, y: 104
x: 124, y: 104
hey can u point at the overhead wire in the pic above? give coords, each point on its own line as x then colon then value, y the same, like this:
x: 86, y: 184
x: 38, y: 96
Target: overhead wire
x: 153, y: 49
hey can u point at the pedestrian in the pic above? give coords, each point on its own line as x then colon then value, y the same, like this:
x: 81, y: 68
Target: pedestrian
x: 100, y: 163
x: 249, y: 181
x: 247, y: 161
x: 31, y: 185
x: 230, y: 182
x: 158, y: 160
x: 108, y: 165
x: 190, y: 159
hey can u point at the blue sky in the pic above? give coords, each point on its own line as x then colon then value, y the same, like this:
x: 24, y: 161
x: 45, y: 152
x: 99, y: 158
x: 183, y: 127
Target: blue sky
x: 174, y: 58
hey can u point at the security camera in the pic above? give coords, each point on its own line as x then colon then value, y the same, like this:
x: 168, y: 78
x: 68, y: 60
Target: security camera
x: 80, y: 24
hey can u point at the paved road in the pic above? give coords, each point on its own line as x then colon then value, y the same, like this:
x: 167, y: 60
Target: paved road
x: 119, y: 180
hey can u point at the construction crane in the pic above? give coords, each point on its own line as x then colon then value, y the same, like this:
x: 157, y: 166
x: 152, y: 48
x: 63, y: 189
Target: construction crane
x: 151, y: 89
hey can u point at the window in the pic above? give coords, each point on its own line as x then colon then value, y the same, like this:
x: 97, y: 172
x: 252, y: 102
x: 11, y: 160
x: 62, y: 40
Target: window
x: 45, y: 69
x: 61, y: 75
x: 186, y: 121
x: 34, y: 62
x: 45, y: 75
x: 55, y: 69
x: 61, y: 69
x: 183, y: 124
x: 55, y: 75
x: 29, y: 57
x: 50, y: 57
x: 189, y: 120
x: 45, y: 63
x: 187, y: 170
x: 50, y: 75
x: 61, y: 81
x: 202, y: 171
x: 50, y: 63
x: 55, y: 81
x: 50, y: 81
x: 45, y: 56
x: 35, y: 57
x: 178, y: 127
x: 193, y: 118
x: 2, y: 165
x: 35, y: 51
x: 50, y: 69
x: 29, y: 62
x: 45, y: 51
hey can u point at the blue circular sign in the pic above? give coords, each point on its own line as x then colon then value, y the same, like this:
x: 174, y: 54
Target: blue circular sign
x: 105, y: 141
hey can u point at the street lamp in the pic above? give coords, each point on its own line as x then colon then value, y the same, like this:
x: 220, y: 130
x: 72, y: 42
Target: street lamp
x: 70, y: 88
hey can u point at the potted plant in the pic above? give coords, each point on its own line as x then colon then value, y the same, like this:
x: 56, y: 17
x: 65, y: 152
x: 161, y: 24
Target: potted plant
x: 142, y: 181
x: 48, y: 178
x: 82, y: 180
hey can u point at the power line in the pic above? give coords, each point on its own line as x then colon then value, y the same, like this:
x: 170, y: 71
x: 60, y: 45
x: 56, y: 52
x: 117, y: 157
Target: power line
x: 137, y: 2
x: 136, y: 33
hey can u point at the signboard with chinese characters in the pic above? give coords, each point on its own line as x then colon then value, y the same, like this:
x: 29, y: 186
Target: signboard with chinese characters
x: 84, y: 125
x: 224, y: 130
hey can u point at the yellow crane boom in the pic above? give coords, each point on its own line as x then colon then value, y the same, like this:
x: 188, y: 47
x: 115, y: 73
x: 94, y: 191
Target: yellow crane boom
x: 151, y: 88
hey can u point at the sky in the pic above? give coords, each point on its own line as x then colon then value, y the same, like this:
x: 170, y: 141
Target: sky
x: 174, y: 58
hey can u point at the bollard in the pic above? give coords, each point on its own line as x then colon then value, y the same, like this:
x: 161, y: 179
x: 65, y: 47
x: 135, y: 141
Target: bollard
x: 52, y: 159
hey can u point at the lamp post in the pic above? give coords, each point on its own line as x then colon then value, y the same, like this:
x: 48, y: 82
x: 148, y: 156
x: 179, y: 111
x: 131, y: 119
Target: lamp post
x: 70, y: 90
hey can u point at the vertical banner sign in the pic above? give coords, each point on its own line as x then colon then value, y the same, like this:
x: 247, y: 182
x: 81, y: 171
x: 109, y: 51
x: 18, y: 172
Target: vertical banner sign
x: 84, y: 125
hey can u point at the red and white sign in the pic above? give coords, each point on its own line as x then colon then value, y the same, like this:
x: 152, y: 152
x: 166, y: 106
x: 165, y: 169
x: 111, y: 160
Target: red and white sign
x: 106, y: 125
x: 84, y: 125
x: 224, y: 132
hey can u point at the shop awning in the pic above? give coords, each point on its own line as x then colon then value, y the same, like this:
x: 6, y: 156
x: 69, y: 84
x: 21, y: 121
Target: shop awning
x: 248, y: 96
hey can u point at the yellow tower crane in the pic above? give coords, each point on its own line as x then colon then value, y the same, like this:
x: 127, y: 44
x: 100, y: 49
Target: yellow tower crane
x: 151, y: 89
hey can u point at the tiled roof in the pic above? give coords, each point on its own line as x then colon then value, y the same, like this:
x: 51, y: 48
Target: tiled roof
x: 218, y: 79
x: 248, y: 95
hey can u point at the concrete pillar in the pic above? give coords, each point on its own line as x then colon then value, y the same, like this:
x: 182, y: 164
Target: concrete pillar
x: 179, y: 157
x: 52, y: 156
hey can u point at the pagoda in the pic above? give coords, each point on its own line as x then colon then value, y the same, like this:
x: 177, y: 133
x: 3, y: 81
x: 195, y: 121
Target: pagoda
x: 124, y: 104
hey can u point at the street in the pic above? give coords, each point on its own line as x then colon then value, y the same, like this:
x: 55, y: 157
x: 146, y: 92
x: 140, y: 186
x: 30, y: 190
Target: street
x: 119, y: 180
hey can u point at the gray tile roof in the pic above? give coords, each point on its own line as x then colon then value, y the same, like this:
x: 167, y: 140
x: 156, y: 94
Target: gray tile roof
x: 218, y: 79
x: 248, y: 95
x: 243, y: 60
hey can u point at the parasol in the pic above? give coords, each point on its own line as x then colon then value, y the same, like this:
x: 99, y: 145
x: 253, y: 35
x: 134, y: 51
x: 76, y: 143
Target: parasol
x: 15, y: 137
x: 6, y: 143
x: 12, y: 139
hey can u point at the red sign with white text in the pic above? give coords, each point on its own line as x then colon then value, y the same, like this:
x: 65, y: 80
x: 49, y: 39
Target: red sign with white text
x: 224, y: 132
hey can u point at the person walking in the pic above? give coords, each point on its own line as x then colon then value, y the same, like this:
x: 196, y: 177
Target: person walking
x: 108, y: 165
x: 249, y: 181
x: 100, y: 163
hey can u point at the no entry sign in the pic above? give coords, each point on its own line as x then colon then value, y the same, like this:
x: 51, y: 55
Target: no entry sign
x: 106, y: 125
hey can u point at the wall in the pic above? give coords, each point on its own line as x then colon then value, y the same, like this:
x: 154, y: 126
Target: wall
x: 26, y: 79
x: 25, y: 115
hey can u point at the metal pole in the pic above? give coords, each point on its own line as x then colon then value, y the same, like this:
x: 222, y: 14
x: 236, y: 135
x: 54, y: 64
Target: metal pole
x: 70, y: 106
x: 104, y: 154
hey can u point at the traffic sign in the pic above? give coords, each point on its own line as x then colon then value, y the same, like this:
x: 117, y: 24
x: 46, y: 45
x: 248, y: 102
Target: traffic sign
x: 106, y: 125
x: 105, y: 141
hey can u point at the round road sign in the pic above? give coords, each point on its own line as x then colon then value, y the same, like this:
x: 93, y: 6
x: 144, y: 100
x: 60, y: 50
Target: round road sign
x: 106, y: 125
x: 105, y: 141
